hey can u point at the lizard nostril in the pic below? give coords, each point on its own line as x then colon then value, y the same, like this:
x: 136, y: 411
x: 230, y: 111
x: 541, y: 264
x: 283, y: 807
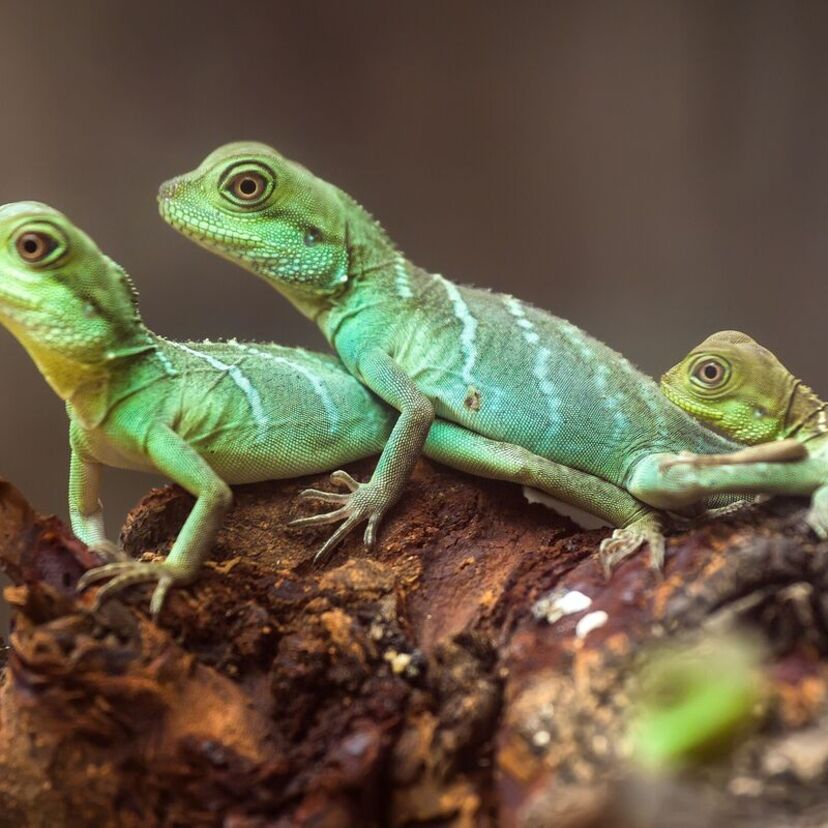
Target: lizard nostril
x: 169, y: 189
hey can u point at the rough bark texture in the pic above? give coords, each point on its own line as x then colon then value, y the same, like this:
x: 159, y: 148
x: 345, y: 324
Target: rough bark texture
x: 412, y: 686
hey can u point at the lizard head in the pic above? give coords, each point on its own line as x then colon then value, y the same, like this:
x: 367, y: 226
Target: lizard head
x: 734, y: 385
x: 253, y: 206
x: 68, y: 304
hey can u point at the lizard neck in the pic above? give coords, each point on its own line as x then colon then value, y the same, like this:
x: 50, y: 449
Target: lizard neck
x: 373, y: 261
x: 369, y: 247
x: 67, y: 377
x: 85, y: 384
x: 806, y: 416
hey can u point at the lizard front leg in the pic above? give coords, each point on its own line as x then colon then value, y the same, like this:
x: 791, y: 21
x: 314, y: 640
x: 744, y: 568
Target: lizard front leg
x: 370, y: 501
x: 179, y: 461
x: 85, y: 510
x: 776, y: 451
x: 637, y: 523
x: 669, y: 485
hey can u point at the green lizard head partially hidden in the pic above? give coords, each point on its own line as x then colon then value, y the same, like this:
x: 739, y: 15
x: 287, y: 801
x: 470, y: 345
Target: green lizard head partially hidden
x: 741, y: 389
x: 250, y: 204
x: 71, y: 307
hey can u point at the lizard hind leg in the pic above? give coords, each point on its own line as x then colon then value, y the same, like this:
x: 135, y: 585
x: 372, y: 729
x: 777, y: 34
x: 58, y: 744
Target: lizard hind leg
x: 640, y: 523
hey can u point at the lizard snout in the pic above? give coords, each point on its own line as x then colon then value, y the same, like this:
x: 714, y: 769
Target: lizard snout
x: 170, y: 189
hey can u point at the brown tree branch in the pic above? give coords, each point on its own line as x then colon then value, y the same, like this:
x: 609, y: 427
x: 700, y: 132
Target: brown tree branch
x: 425, y: 684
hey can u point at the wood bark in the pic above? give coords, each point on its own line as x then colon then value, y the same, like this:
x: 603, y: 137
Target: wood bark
x: 414, y: 685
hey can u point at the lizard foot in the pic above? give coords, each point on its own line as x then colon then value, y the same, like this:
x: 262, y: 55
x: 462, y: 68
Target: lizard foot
x: 362, y: 501
x: 109, y: 551
x: 629, y: 539
x: 128, y: 573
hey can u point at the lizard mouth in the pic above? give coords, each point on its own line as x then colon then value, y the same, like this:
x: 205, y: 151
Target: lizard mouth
x: 198, y: 226
x: 691, y: 406
x: 9, y: 300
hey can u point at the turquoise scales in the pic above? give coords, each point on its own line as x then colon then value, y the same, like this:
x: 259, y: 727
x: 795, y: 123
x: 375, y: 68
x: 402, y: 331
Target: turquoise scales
x: 486, y: 361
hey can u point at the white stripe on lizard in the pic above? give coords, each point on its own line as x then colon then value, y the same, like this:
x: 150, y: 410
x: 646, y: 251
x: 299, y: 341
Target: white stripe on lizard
x: 586, y: 349
x: 169, y: 368
x: 619, y: 419
x: 401, y: 278
x: 469, y: 323
x: 541, y: 361
x: 235, y: 374
x: 318, y: 386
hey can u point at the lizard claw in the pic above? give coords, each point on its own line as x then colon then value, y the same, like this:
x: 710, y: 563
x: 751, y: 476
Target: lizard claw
x: 323, y: 497
x: 128, y: 573
x: 342, y: 478
x: 628, y: 540
x: 109, y: 551
x: 363, y: 501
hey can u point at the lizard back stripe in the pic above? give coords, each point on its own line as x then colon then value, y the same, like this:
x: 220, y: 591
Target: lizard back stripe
x: 540, y: 364
x: 169, y: 368
x: 401, y: 278
x: 469, y: 324
x: 315, y: 383
x: 241, y: 381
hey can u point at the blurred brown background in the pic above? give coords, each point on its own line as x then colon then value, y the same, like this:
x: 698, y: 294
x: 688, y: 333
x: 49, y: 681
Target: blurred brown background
x: 651, y: 171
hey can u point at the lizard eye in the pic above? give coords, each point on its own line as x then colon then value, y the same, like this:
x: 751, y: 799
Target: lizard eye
x: 710, y: 373
x: 36, y: 246
x: 247, y: 186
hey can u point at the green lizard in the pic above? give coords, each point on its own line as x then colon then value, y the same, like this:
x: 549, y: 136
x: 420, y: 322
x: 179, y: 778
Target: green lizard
x: 203, y: 414
x: 486, y: 361
x: 734, y: 385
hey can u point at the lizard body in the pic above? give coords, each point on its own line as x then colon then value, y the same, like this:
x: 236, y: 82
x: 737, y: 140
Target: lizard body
x: 486, y: 361
x: 206, y: 415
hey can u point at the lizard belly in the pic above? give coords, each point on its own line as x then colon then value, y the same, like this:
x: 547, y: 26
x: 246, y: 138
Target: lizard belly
x: 120, y: 454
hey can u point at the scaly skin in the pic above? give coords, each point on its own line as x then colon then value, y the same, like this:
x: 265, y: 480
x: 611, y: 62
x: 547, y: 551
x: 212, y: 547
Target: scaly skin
x: 203, y: 414
x: 488, y: 362
x: 733, y: 384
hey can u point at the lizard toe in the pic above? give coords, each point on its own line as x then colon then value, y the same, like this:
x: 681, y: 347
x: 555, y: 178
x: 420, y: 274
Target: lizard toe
x: 110, y: 552
x: 626, y: 541
x: 129, y: 573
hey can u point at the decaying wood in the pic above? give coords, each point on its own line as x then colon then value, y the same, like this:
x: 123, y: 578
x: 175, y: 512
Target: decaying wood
x: 411, y: 686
